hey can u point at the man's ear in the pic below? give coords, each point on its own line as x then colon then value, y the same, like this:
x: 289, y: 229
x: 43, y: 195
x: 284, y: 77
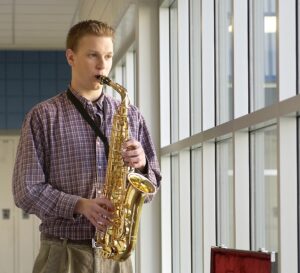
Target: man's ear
x: 70, y: 56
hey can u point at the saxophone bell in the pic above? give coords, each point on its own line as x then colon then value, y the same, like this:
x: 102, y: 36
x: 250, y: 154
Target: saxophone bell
x: 141, y: 183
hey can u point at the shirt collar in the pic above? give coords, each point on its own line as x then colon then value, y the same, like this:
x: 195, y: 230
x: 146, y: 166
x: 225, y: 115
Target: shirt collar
x: 85, y: 102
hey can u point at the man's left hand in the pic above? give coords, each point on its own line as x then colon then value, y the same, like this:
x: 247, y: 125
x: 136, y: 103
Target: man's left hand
x: 133, y: 154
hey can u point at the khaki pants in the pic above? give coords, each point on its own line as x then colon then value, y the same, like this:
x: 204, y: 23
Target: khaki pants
x: 64, y: 257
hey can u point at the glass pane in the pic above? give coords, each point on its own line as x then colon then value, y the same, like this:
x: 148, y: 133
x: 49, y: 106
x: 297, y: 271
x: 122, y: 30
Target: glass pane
x: 197, y: 239
x: 195, y: 59
x: 224, y: 85
x: 174, y: 73
x: 116, y: 75
x: 264, y: 189
x: 175, y: 214
x: 128, y: 71
x: 263, y: 52
x: 225, y: 194
x: 134, y: 78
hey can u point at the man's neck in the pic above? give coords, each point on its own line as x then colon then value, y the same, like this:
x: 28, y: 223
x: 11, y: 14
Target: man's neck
x: 91, y: 95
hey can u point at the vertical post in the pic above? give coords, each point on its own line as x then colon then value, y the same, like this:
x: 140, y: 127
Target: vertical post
x: 240, y: 48
x: 241, y: 190
x: 288, y: 214
x: 148, y: 102
x: 208, y: 64
x: 209, y: 201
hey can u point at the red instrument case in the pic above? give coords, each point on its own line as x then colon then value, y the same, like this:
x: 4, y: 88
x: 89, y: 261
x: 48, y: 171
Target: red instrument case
x: 224, y: 260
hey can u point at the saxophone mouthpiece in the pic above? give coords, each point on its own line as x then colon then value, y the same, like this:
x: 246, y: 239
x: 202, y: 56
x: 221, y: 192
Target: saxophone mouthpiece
x: 103, y: 80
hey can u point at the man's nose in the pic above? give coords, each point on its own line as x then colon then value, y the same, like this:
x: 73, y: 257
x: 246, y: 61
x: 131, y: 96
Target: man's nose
x: 100, y: 63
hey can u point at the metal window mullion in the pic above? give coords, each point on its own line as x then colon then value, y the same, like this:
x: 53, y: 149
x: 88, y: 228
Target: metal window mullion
x: 197, y: 217
x: 185, y: 212
x: 208, y: 202
x: 176, y: 214
x: 241, y: 189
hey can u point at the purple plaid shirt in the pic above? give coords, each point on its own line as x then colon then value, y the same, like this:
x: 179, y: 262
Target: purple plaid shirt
x: 60, y: 159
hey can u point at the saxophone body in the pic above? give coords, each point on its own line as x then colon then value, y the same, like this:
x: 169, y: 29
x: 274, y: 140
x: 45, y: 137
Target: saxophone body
x: 125, y: 189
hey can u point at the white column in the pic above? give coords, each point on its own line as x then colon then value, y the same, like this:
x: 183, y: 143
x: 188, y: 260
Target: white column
x: 149, y: 251
x: 288, y: 234
x: 287, y: 48
x: 288, y: 203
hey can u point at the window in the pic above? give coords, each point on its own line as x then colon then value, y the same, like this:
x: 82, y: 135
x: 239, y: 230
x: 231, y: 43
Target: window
x: 175, y: 214
x: 264, y: 189
x: 174, y: 73
x: 197, y: 217
x: 195, y: 51
x: 242, y: 166
x: 224, y: 58
x: 225, y: 194
x: 263, y: 33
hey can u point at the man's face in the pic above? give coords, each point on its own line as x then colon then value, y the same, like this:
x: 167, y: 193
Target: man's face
x: 93, y: 57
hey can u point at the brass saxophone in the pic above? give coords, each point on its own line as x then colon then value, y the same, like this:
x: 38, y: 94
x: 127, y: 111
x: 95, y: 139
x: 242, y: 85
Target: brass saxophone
x: 126, y: 189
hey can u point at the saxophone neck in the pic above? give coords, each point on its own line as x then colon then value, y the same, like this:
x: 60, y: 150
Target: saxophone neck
x: 124, y: 98
x: 117, y: 87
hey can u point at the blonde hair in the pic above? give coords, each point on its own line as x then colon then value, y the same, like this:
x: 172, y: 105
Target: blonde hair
x: 88, y: 27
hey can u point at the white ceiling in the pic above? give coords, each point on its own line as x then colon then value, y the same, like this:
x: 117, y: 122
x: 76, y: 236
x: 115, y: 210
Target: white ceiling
x: 36, y: 24
x: 43, y: 24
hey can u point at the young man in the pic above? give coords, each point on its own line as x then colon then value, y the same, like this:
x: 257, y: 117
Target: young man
x: 61, y: 162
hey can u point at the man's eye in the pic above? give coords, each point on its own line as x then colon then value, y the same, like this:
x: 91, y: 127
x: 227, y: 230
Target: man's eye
x: 93, y: 55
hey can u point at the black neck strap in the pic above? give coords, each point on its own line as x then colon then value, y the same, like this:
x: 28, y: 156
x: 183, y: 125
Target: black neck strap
x: 89, y: 120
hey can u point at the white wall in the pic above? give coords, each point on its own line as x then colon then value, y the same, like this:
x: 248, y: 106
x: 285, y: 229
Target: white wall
x: 19, y: 234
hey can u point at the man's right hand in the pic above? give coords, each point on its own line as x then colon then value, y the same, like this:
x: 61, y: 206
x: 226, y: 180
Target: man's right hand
x: 98, y: 211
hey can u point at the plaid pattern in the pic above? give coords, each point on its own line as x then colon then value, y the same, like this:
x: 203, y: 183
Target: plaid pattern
x: 60, y: 159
